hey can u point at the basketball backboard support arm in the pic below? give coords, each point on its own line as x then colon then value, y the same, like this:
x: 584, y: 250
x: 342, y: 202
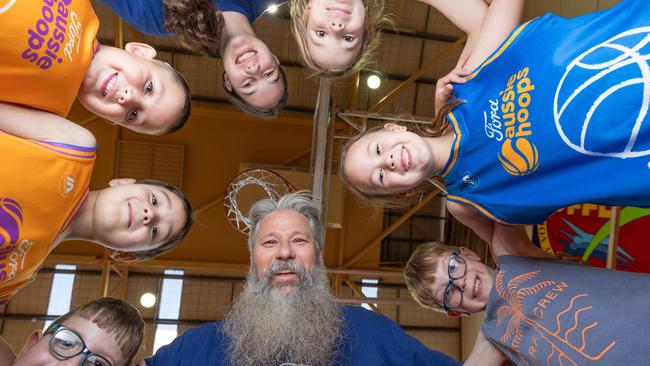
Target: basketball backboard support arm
x: 321, y: 151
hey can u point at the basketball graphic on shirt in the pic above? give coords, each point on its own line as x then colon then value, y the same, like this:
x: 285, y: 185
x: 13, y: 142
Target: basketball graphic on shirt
x: 6, y: 5
x: 11, y: 219
x: 520, y: 159
x: 601, y: 102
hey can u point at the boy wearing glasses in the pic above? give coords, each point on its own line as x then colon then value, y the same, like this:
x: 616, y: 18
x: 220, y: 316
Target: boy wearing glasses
x: 538, y: 310
x: 103, y: 332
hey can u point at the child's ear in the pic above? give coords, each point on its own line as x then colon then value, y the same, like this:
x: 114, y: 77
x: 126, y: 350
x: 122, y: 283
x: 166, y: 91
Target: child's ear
x: 468, y: 253
x: 394, y: 127
x: 141, y: 49
x: 120, y: 181
x: 406, y: 194
x: 226, y: 82
x: 30, y: 341
x: 126, y: 257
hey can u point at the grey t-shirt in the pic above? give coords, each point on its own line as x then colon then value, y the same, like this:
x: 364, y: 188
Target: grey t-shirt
x: 547, y: 312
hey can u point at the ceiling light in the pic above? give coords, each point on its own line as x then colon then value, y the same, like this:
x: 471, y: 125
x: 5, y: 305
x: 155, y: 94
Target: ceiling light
x: 147, y: 299
x: 373, y: 81
x: 272, y: 8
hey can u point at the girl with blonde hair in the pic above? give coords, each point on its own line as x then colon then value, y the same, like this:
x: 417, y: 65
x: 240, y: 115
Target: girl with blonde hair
x: 337, y: 38
x: 554, y: 114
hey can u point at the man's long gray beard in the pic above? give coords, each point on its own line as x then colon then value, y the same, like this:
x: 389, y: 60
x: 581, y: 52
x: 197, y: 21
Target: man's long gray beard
x: 266, y: 327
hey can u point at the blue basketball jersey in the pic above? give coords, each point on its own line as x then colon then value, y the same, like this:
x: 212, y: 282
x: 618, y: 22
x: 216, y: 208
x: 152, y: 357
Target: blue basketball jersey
x: 557, y: 115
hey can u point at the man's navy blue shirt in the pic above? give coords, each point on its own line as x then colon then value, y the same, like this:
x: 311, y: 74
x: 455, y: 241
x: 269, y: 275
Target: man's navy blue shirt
x: 368, y: 339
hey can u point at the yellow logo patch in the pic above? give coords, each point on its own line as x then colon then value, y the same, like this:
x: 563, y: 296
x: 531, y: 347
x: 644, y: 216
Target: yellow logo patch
x: 518, y: 155
x: 520, y: 159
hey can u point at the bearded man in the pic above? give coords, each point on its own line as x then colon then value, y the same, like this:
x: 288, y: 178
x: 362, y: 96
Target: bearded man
x: 286, y: 314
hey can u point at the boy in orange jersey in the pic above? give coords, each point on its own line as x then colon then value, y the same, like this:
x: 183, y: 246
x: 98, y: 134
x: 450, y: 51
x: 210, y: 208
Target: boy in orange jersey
x: 103, y: 332
x: 45, y: 167
x: 49, y: 55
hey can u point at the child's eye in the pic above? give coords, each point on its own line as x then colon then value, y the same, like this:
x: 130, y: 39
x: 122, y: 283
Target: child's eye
x: 154, y: 200
x: 96, y: 361
x: 381, y: 176
x: 453, y: 264
x: 247, y: 84
x: 378, y: 150
x: 349, y: 38
x: 154, y: 230
x: 133, y: 114
x: 320, y: 33
x: 148, y: 89
x: 269, y: 73
x: 64, y: 344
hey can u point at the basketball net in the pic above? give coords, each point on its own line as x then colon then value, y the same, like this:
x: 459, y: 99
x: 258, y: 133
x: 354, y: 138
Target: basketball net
x: 256, y: 184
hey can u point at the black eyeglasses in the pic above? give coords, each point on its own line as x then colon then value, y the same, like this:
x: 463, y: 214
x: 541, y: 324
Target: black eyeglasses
x: 66, y: 344
x: 453, y: 294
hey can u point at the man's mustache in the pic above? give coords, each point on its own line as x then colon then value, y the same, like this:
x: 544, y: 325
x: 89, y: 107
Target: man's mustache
x: 290, y: 265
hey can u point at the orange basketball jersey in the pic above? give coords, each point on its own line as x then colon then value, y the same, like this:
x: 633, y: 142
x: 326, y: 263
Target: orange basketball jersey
x: 45, y: 49
x: 43, y: 186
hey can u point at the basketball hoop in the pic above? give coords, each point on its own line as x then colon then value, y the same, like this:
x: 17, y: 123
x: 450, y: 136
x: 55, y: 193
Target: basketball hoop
x: 249, y: 187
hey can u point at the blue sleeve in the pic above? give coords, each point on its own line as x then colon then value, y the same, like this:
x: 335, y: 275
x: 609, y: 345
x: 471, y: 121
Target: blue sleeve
x: 252, y: 9
x: 412, y: 352
x: 170, y: 354
x: 144, y: 15
x: 377, y: 340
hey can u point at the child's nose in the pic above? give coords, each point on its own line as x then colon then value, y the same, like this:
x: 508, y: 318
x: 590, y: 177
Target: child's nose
x: 336, y: 25
x: 391, y: 161
x: 127, y: 95
x: 148, y: 215
x: 253, y: 66
x: 460, y: 283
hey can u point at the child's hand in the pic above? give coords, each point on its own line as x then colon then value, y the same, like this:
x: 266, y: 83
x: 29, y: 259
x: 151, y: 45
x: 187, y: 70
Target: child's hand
x: 445, y: 88
x: 565, y: 257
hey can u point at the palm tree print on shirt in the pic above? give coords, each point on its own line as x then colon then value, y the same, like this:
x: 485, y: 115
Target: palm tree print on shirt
x: 565, y: 349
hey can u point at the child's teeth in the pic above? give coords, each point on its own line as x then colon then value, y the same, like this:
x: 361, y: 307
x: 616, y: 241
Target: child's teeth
x: 110, y: 84
x: 246, y: 56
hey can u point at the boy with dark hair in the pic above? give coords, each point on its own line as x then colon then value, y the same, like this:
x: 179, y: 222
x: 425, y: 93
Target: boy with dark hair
x: 49, y: 54
x: 539, y: 310
x: 103, y: 332
x: 44, y: 199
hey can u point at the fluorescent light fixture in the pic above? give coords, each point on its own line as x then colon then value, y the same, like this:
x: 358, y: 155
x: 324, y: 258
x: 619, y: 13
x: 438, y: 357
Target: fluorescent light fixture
x: 169, y: 308
x: 61, y: 292
x: 369, y: 291
x: 165, y: 334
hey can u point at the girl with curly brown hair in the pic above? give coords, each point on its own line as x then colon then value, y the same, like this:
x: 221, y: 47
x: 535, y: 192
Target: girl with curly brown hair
x: 253, y: 78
